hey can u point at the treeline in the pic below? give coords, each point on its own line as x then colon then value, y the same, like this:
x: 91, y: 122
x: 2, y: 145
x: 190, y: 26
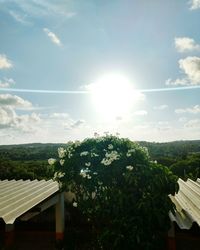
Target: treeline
x: 181, y: 157
x: 29, y: 161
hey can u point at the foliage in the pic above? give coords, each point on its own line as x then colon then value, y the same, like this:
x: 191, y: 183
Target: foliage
x: 187, y: 168
x: 123, y: 194
x: 28, y: 161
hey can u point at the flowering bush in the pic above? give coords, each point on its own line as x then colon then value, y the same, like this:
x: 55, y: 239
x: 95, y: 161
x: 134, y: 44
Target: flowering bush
x: 121, y: 192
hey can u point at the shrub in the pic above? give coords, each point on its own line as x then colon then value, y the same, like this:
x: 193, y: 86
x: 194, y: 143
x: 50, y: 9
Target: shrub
x: 121, y: 192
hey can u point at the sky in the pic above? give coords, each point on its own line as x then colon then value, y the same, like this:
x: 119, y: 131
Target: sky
x: 70, y: 69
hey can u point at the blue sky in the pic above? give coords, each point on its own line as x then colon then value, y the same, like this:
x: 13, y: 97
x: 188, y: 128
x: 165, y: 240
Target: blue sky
x: 107, y: 53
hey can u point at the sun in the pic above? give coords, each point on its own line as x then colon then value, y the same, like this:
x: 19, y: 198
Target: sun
x: 112, y: 95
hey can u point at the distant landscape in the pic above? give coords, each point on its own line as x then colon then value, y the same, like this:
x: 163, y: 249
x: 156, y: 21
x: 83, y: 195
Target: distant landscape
x: 30, y: 161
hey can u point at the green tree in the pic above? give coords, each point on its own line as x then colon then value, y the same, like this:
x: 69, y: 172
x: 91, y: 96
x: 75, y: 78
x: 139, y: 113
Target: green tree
x: 119, y: 190
x: 187, y: 168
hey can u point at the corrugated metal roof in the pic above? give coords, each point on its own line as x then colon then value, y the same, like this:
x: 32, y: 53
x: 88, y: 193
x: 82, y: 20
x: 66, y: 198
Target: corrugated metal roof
x: 187, y: 202
x: 19, y: 196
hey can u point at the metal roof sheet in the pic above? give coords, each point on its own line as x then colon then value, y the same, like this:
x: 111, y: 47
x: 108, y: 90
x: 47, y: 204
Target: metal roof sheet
x: 19, y: 196
x: 187, y: 202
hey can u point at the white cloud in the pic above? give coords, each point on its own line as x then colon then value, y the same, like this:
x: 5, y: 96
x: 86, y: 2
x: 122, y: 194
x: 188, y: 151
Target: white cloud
x: 19, y: 17
x: 190, y: 66
x: 11, y: 120
x: 59, y: 115
x: 6, y: 83
x: 14, y: 101
x: 186, y: 44
x: 193, y: 110
x: 182, y: 119
x: 194, y: 4
x: 140, y: 112
x: 176, y: 82
x: 53, y: 37
x: 193, y: 124
x: 73, y: 124
x: 38, y: 8
x: 161, y: 107
x: 5, y: 63
x: 164, y: 127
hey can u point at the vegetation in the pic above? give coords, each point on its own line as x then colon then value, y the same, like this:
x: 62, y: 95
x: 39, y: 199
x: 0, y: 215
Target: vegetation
x: 112, y: 220
x: 29, y: 161
x: 119, y: 190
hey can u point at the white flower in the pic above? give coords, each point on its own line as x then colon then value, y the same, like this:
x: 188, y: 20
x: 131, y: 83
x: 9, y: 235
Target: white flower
x: 110, y: 157
x: 130, y: 168
x: 88, y: 164
x: 106, y: 162
x: 62, y: 161
x: 58, y: 175
x: 84, y: 153
x: 130, y: 151
x: 51, y: 161
x: 155, y: 162
x: 75, y: 204
x: 61, y: 152
x: 77, y: 143
x: 69, y: 154
x: 85, y: 173
x: 110, y: 146
x: 94, y: 155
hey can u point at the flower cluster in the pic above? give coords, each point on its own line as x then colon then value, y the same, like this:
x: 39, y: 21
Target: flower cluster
x: 51, y: 161
x: 130, y: 168
x: 85, y: 173
x: 130, y: 151
x: 110, y: 157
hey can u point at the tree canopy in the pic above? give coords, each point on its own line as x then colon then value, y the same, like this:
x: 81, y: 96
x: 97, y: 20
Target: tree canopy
x: 119, y: 190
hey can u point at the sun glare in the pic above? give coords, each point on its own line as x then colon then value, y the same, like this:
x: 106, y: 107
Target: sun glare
x: 113, y: 95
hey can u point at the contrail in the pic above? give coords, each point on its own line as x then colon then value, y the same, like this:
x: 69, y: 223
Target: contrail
x: 45, y: 91
x: 169, y: 89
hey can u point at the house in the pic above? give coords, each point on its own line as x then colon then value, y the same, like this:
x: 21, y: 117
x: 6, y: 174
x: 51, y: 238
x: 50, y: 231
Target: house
x: 185, y: 231
x: 24, y: 199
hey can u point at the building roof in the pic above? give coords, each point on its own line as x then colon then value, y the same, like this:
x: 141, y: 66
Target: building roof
x: 187, y: 202
x: 19, y: 196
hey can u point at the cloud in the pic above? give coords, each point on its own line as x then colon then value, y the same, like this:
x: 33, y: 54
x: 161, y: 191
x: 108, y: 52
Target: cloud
x: 74, y: 124
x: 176, y: 82
x: 194, y: 124
x: 194, y: 4
x: 161, y: 107
x: 11, y: 120
x: 182, y: 119
x: 163, y: 126
x: 193, y: 110
x: 19, y: 17
x: 6, y: 83
x: 14, y: 101
x: 186, y: 44
x: 52, y: 37
x: 5, y: 63
x: 38, y: 8
x: 190, y: 66
x: 141, y: 112
x: 59, y: 115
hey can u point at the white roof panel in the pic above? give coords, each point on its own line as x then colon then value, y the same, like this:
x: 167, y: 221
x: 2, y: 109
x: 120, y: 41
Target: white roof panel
x: 19, y: 196
x: 187, y: 202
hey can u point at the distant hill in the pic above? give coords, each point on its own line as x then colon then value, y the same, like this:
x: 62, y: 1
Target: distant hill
x: 44, y: 151
x: 29, y: 161
x: 172, y: 149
